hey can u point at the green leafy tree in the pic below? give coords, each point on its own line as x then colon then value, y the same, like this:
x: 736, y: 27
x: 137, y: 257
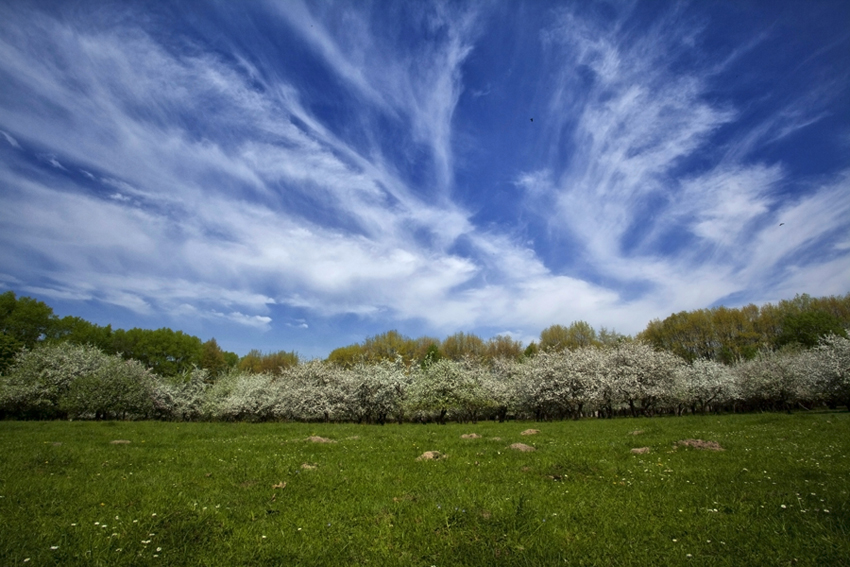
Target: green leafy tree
x: 212, y: 359
x: 502, y: 346
x: 578, y: 335
x: 167, y: 352
x: 808, y: 327
x: 271, y: 363
x: 24, y: 321
x: 347, y: 356
x: 79, y: 331
x: 462, y: 345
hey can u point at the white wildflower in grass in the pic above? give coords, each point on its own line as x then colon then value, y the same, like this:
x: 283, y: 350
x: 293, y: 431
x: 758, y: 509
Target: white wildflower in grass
x: 54, y: 547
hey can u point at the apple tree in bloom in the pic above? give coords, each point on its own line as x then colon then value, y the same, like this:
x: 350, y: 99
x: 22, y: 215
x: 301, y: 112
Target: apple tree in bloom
x: 643, y: 377
x: 832, y: 370
x: 117, y: 389
x: 554, y: 384
x: 313, y: 391
x: 38, y: 379
x: 182, y: 397
x: 776, y: 380
x: 241, y: 395
x: 445, y: 387
x: 376, y: 392
x: 704, y: 384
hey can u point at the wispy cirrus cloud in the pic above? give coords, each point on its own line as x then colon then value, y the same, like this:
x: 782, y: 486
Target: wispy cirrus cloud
x: 625, y: 195
x: 207, y: 175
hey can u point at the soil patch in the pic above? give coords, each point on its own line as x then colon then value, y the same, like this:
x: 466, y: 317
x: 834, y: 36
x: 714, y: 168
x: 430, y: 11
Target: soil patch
x: 640, y: 450
x: 703, y: 445
x: 522, y: 447
x: 637, y: 432
x: 431, y: 456
x: 470, y: 436
x: 530, y: 432
x: 119, y: 442
x: 317, y: 439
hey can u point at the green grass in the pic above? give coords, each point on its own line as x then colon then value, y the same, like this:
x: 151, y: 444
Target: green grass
x: 203, y: 493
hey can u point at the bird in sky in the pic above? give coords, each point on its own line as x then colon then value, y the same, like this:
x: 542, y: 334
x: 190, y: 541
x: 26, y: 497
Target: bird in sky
x: 780, y: 224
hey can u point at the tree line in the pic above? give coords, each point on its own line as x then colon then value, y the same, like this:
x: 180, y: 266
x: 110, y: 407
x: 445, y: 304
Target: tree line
x: 792, y: 354
x: 26, y: 323
x: 67, y: 381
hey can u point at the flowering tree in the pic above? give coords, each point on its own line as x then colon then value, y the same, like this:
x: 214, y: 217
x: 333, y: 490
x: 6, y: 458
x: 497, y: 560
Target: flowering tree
x: 376, y: 392
x: 832, y: 369
x: 241, y: 396
x: 555, y: 385
x: 446, y: 386
x: 118, y: 388
x: 182, y: 397
x: 38, y: 379
x: 314, y: 391
x: 644, y: 378
x: 703, y: 384
x: 776, y: 380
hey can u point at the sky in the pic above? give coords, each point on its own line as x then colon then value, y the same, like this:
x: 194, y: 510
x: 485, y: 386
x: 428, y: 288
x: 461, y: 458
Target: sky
x: 302, y: 175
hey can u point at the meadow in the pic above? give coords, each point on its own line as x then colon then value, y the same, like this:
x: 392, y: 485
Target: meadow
x: 165, y: 493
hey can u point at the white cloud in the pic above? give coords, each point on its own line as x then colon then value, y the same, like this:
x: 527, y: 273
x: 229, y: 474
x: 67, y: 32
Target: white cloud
x: 272, y: 205
x: 12, y: 141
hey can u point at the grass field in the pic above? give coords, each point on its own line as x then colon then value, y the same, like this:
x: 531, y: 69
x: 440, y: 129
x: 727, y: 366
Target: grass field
x: 262, y: 494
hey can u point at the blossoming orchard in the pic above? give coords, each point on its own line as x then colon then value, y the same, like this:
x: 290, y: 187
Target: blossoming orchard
x: 629, y: 378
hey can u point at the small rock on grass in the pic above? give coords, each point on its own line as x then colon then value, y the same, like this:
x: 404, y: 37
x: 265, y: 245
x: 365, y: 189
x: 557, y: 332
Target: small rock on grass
x: 431, y: 456
x: 700, y: 444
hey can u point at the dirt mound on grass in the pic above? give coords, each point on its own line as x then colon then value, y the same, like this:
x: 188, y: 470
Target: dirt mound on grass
x: 700, y: 444
x: 431, y: 456
x: 522, y: 447
x: 470, y: 436
x: 530, y: 432
x: 317, y: 439
x: 640, y: 450
x: 636, y: 432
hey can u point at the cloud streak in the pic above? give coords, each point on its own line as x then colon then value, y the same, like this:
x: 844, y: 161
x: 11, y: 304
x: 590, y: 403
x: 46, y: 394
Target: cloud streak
x: 217, y: 186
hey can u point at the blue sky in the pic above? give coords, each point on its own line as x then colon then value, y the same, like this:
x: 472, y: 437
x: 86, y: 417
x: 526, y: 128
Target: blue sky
x: 299, y: 176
